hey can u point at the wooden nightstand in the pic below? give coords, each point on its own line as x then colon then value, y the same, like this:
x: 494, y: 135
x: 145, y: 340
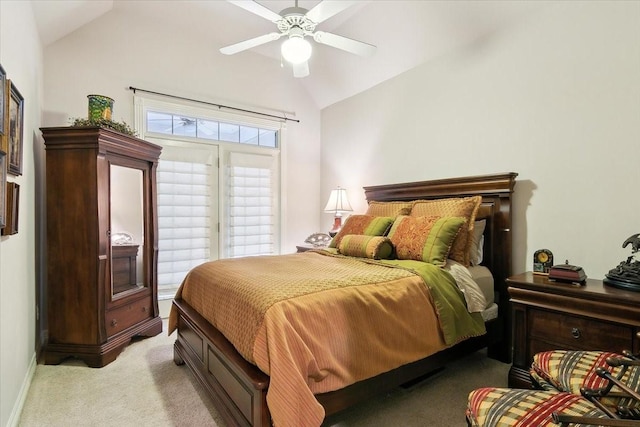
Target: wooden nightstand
x: 547, y: 315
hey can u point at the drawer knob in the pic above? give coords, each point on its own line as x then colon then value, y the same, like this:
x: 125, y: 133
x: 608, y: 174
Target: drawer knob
x: 114, y: 323
x: 144, y: 309
x: 575, y: 332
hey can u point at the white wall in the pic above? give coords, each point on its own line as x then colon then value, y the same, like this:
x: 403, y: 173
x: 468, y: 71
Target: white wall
x: 21, y: 57
x: 120, y: 50
x: 555, y: 99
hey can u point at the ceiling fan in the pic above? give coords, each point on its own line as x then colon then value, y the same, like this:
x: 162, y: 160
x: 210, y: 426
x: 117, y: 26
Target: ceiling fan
x: 296, y: 23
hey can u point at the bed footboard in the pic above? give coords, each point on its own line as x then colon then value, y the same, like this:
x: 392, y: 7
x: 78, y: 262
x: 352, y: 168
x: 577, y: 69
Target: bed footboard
x: 237, y: 388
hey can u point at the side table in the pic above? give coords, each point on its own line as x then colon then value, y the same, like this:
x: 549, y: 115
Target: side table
x: 548, y: 315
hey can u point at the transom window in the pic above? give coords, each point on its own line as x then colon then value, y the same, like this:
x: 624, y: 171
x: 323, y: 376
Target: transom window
x: 180, y: 125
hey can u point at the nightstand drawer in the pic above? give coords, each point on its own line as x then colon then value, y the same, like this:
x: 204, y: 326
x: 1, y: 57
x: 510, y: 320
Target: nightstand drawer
x: 579, y: 333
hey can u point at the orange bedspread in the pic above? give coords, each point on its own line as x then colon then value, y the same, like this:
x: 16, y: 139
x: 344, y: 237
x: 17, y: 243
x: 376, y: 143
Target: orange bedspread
x: 315, y: 323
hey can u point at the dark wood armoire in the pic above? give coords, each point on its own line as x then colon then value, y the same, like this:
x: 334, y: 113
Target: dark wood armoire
x: 100, y: 206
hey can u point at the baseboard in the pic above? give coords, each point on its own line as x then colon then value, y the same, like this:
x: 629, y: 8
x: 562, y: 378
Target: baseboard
x: 14, y: 418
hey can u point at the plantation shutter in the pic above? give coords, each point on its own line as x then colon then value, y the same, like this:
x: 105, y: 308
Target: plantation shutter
x: 184, y: 221
x: 251, y: 190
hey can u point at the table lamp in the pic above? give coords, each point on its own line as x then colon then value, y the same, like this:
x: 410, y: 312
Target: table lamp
x: 338, y: 204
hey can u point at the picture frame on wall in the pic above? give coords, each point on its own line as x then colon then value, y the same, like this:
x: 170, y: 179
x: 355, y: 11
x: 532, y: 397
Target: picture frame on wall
x: 11, y: 210
x: 3, y: 189
x: 3, y: 103
x: 14, y: 128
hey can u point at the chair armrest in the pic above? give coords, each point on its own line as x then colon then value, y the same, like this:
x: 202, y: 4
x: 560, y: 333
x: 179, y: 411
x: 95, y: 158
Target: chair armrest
x: 623, y: 361
x: 566, y: 420
x: 607, y: 375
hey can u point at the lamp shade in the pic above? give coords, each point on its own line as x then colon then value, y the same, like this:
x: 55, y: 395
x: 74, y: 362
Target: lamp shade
x: 338, y: 202
x: 296, y: 49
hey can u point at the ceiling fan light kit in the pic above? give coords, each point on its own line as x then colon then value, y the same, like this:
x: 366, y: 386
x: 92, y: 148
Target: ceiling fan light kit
x: 296, y: 49
x: 295, y: 23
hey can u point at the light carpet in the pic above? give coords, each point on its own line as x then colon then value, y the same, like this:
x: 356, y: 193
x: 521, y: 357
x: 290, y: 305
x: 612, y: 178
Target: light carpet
x: 143, y: 387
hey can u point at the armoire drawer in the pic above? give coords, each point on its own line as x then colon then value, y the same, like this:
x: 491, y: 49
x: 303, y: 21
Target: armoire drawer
x: 121, y: 318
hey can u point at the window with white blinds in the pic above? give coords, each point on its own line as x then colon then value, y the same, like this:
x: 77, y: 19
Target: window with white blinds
x: 184, y: 221
x: 218, y: 191
x: 251, y: 190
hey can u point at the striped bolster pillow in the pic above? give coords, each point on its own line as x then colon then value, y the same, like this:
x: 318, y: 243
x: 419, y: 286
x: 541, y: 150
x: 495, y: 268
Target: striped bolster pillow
x: 374, y: 247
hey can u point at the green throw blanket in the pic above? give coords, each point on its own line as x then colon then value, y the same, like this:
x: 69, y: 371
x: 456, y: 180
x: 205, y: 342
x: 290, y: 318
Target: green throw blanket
x: 455, y: 320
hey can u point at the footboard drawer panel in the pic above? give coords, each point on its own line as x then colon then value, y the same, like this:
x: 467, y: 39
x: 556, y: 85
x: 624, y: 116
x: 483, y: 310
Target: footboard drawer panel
x: 193, y: 340
x: 238, y: 388
x: 233, y: 385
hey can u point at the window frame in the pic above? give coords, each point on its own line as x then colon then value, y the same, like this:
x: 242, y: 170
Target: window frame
x: 145, y: 103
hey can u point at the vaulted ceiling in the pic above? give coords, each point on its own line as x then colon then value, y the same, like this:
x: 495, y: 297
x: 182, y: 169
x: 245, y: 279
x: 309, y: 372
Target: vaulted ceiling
x: 406, y: 33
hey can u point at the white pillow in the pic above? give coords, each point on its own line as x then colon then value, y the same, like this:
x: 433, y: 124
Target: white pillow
x: 477, y: 242
x: 473, y: 295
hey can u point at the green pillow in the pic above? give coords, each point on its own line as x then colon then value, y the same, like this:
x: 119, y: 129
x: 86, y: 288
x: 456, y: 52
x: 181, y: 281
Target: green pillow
x: 373, y: 247
x: 425, y: 238
x: 367, y: 225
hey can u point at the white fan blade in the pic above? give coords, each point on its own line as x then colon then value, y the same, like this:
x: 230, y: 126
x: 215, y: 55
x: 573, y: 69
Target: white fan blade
x: 301, y: 69
x: 257, y: 9
x: 344, y: 43
x: 326, y: 9
x: 248, y: 44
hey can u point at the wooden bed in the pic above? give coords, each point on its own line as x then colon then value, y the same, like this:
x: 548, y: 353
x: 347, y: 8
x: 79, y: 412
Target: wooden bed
x: 238, y: 388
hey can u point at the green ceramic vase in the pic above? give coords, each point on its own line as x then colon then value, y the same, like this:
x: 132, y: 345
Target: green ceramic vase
x: 100, y: 107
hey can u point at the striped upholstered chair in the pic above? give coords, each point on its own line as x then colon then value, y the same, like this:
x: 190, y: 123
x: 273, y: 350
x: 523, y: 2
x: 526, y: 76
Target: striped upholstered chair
x: 577, y: 372
x: 578, y: 389
x: 510, y: 407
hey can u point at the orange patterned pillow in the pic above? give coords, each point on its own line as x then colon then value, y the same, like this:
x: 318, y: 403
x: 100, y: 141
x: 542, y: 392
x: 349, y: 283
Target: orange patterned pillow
x: 367, y: 225
x: 425, y: 238
x: 392, y: 209
x: 466, y: 207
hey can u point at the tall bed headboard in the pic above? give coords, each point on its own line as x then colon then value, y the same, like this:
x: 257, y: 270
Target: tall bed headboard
x: 496, y: 191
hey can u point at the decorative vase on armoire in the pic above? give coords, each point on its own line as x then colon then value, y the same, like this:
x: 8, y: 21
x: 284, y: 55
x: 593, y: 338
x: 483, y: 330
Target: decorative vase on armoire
x: 100, y: 294
x: 100, y: 107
